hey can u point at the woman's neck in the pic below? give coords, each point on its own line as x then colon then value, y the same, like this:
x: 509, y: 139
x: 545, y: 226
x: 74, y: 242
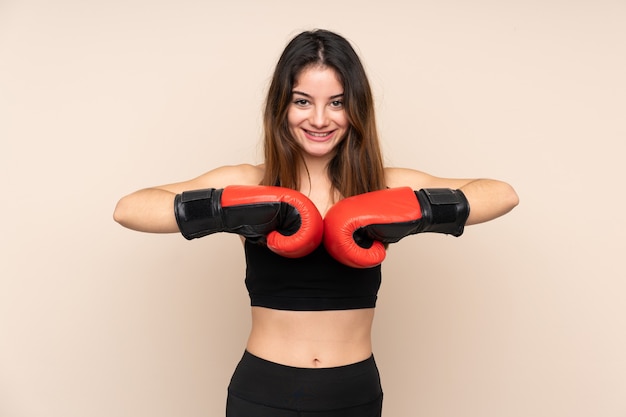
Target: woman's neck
x: 316, y: 184
x: 314, y: 173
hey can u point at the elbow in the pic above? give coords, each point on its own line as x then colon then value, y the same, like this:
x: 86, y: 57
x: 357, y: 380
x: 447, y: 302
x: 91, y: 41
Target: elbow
x: 511, y: 198
x: 120, y: 213
x: 499, y: 199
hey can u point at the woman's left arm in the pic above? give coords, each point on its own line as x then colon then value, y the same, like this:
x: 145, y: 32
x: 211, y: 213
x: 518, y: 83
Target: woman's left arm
x: 488, y: 198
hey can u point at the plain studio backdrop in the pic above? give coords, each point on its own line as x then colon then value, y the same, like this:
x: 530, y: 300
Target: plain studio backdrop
x: 523, y: 316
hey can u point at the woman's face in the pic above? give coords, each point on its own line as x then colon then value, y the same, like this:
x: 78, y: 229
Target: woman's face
x: 316, y: 116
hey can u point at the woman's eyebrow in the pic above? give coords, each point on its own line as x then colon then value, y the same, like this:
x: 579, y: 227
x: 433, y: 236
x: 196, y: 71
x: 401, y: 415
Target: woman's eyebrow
x: 310, y: 96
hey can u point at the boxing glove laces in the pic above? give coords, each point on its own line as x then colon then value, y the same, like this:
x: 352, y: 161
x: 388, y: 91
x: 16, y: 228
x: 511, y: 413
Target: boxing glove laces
x: 285, y: 219
x: 357, y: 228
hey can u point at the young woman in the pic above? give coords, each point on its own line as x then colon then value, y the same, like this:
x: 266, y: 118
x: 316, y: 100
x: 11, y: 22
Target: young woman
x: 315, y: 219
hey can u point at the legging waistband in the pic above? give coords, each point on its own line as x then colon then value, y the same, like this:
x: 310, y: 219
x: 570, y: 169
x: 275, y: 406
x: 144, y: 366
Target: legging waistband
x: 275, y: 385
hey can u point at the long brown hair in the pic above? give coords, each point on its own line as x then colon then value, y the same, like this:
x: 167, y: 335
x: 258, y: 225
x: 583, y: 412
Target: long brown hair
x: 357, y: 166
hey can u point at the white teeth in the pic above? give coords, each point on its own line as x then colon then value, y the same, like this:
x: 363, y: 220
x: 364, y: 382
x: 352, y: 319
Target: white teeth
x: 318, y: 135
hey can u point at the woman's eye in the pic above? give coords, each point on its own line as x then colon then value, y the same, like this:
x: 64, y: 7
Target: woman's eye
x: 301, y: 102
x: 336, y: 103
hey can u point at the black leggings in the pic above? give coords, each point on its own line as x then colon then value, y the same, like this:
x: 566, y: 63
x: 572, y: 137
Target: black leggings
x: 260, y: 388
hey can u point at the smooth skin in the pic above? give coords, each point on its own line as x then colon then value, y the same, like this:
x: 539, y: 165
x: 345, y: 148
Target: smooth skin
x: 317, y: 120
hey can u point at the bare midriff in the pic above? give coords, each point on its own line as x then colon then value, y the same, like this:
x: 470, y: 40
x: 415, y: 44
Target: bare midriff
x: 311, y: 339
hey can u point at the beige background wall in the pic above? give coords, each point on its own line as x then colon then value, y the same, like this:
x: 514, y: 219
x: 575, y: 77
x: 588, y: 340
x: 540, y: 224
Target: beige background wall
x: 523, y: 316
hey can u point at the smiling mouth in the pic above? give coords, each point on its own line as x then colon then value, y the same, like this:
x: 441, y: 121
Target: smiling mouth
x: 318, y: 134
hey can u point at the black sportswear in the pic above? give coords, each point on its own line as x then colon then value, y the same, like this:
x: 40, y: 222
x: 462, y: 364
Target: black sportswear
x: 312, y: 283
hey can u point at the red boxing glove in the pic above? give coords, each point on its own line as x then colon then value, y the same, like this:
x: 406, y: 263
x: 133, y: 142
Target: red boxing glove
x: 356, y: 228
x: 283, y: 218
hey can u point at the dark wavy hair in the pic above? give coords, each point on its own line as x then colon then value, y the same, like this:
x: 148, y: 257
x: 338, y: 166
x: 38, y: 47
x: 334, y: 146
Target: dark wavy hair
x: 357, y: 165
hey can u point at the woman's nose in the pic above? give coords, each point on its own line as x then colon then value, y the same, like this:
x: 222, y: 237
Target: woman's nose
x: 319, y: 117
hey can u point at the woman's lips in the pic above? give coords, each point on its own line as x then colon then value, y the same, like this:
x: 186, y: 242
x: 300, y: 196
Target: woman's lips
x: 318, y: 136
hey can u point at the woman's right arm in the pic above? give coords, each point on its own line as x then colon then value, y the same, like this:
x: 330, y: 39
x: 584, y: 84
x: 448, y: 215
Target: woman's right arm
x: 152, y: 209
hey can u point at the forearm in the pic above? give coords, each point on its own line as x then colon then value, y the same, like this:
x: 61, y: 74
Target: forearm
x: 488, y: 199
x: 148, y: 210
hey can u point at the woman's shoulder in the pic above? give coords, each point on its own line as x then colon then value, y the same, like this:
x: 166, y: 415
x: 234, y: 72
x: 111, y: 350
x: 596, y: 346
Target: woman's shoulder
x: 402, y: 177
x: 247, y: 173
x: 220, y: 177
x: 407, y: 177
x: 241, y: 174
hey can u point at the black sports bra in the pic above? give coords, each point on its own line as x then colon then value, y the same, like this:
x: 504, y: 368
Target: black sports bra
x: 315, y: 282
